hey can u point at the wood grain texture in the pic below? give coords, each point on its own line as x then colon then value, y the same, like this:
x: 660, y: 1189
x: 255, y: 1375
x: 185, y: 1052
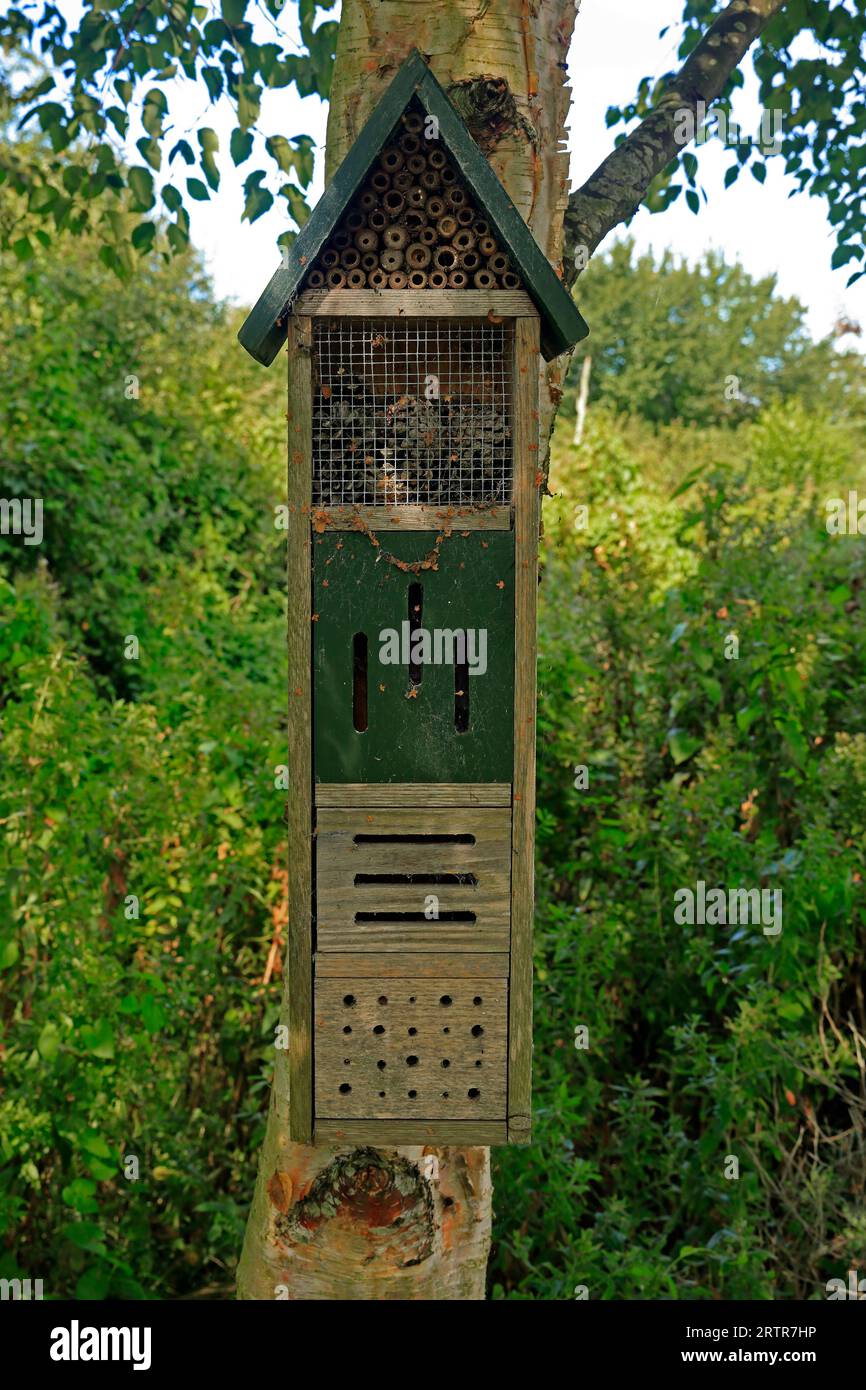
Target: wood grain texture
x: 399, y: 1048
x: 392, y: 1133
x: 298, y: 987
x: 465, y: 304
x: 391, y: 794
x: 526, y: 465
x: 411, y: 518
x: 484, y: 854
x: 361, y: 965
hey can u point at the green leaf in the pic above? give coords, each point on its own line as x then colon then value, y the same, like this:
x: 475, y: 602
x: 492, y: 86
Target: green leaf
x: 712, y: 688
x: 748, y: 716
x: 257, y: 200
x: 249, y: 104
x: 154, y: 109
x: 143, y: 236
x: 79, y: 1194
x: 240, y: 145
x: 86, y: 1235
x: 49, y: 1041
x: 682, y: 745
x: 692, y: 200
x: 209, y: 142
x: 184, y: 149
x: 150, y: 152
x: 140, y: 182
x: 119, y: 119
x: 198, y: 190
x: 94, y: 1143
x: 98, y: 1039
x: 233, y: 11
x: 93, y: 1285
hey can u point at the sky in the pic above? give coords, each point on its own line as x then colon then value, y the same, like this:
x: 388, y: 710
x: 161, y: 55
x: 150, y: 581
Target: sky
x: 616, y: 43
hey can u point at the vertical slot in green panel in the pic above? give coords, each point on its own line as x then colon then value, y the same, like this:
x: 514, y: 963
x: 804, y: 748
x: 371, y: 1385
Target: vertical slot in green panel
x: 427, y: 720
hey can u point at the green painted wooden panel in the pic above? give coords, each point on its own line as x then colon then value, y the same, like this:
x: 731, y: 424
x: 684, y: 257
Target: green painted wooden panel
x: 413, y: 737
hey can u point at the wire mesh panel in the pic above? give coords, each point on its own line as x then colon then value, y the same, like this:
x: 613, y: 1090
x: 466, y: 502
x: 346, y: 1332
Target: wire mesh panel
x: 412, y: 412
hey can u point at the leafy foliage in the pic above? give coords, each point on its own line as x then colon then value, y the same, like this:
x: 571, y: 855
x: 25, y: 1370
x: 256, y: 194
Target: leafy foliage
x: 706, y: 344
x: 157, y: 447
x: 810, y: 63
x: 85, y: 84
x: 705, y: 1042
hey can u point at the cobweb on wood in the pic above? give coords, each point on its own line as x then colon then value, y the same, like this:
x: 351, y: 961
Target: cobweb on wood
x: 411, y: 412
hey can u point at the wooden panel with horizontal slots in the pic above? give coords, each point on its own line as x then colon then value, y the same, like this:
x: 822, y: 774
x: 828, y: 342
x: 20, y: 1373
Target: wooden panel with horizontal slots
x: 379, y: 869
x: 407, y: 1048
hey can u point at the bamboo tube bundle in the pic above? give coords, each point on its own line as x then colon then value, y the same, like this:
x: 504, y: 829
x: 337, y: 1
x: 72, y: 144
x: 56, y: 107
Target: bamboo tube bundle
x: 413, y: 225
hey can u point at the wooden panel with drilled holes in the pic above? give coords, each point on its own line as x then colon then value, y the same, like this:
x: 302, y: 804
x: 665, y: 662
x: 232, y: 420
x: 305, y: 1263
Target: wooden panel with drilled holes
x: 406, y: 1048
x: 377, y: 870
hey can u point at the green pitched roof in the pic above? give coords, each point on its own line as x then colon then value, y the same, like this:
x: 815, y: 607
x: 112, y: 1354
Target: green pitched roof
x: 562, y: 325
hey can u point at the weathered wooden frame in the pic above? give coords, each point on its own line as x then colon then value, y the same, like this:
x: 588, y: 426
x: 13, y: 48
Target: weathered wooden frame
x: 303, y: 796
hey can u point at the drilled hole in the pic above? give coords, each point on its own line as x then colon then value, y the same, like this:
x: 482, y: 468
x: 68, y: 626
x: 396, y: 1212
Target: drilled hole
x: 359, y: 682
x: 473, y: 1093
x: 410, y: 880
x: 380, y: 1028
x: 477, y: 1031
x: 345, y: 1089
x: 411, y: 1061
x: 446, y: 1000
x: 478, y: 999
x: 412, y: 1094
x: 449, y: 916
x: 347, y: 1029
x: 446, y: 1030
x: 461, y: 694
x: 349, y: 1001
x: 414, y: 839
x: 412, y: 1032
x: 381, y: 1065
x: 416, y: 608
x: 383, y: 998
x: 445, y: 1062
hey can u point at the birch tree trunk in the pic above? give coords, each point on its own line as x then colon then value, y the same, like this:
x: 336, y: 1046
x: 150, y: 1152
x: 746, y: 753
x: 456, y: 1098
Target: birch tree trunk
x: 330, y: 1221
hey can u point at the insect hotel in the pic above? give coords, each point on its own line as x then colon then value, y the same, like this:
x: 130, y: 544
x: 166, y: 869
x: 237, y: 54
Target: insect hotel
x: 415, y: 303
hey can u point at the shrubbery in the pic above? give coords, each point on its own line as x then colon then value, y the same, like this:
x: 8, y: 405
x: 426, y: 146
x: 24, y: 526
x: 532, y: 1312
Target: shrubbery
x: 151, y: 1036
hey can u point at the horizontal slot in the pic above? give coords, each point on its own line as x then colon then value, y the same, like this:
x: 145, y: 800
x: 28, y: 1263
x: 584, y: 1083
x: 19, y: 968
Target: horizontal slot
x: 410, y: 880
x: 414, y: 917
x: 414, y: 839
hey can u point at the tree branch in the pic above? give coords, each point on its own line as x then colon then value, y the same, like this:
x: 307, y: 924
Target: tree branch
x: 616, y: 190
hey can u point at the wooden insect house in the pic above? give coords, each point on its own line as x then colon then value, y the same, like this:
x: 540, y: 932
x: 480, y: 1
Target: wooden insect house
x: 415, y: 302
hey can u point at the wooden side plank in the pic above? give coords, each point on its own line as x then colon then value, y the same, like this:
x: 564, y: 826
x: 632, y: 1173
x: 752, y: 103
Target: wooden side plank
x: 394, y: 1133
x: 299, y: 981
x: 385, y: 794
x: 411, y: 518
x: 362, y: 965
x: 414, y: 303
x: 526, y: 361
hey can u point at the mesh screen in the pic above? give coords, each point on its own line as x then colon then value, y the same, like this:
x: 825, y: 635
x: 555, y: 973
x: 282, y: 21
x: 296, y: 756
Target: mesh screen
x: 411, y: 412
